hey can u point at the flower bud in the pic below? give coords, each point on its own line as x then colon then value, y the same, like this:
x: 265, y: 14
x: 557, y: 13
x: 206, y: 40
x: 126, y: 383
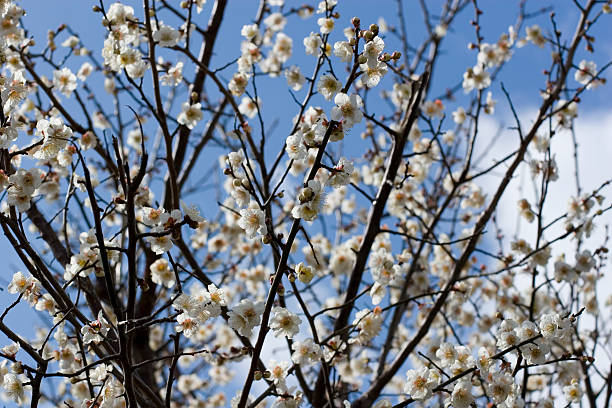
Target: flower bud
x: 258, y: 375
x: 362, y: 59
x: 356, y: 21
x: 385, y: 57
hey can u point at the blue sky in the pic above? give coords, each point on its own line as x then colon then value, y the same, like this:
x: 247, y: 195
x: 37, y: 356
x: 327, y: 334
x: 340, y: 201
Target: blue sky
x: 522, y: 76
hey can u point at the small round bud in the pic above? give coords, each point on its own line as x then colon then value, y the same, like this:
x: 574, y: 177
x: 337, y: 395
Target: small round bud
x: 362, y: 59
x: 369, y: 35
x: 266, y: 239
x: 374, y: 29
x: 96, y: 9
x: 258, y: 375
x: 184, y: 4
x: 194, y: 97
x: 356, y: 22
x: 267, y: 374
x: 396, y: 55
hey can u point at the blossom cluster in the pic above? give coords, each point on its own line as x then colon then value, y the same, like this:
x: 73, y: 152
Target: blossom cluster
x: 359, y: 253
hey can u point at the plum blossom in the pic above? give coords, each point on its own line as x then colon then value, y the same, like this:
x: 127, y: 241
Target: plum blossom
x: 462, y: 394
x: 313, y: 44
x: 249, y: 107
x: 161, y: 241
x: 190, y: 115
x: 586, y: 74
x: 275, y: 21
x: 64, y: 81
x: 310, y: 201
x: 162, y: 274
x: 186, y: 325
x: 534, y: 34
x: 476, y: 78
x: 238, y: 83
x: 14, y: 389
x: 347, y: 109
x: 55, y: 137
x: 326, y: 25
x: 305, y: 352
x: 95, y: 331
x: 344, y: 51
x: 372, y: 50
x: 166, y: 36
x: 252, y: 221
x: 421, y: 382
x: 554, y: 327
x: 341, y: 174
x: 304, y: 273
x: 328, y: 86
x: 174, y: 76
x: 294, y: 147
x: 373, y: 73
x: 284, y: 323
x: 294, y: 76
x: 245, y: 316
